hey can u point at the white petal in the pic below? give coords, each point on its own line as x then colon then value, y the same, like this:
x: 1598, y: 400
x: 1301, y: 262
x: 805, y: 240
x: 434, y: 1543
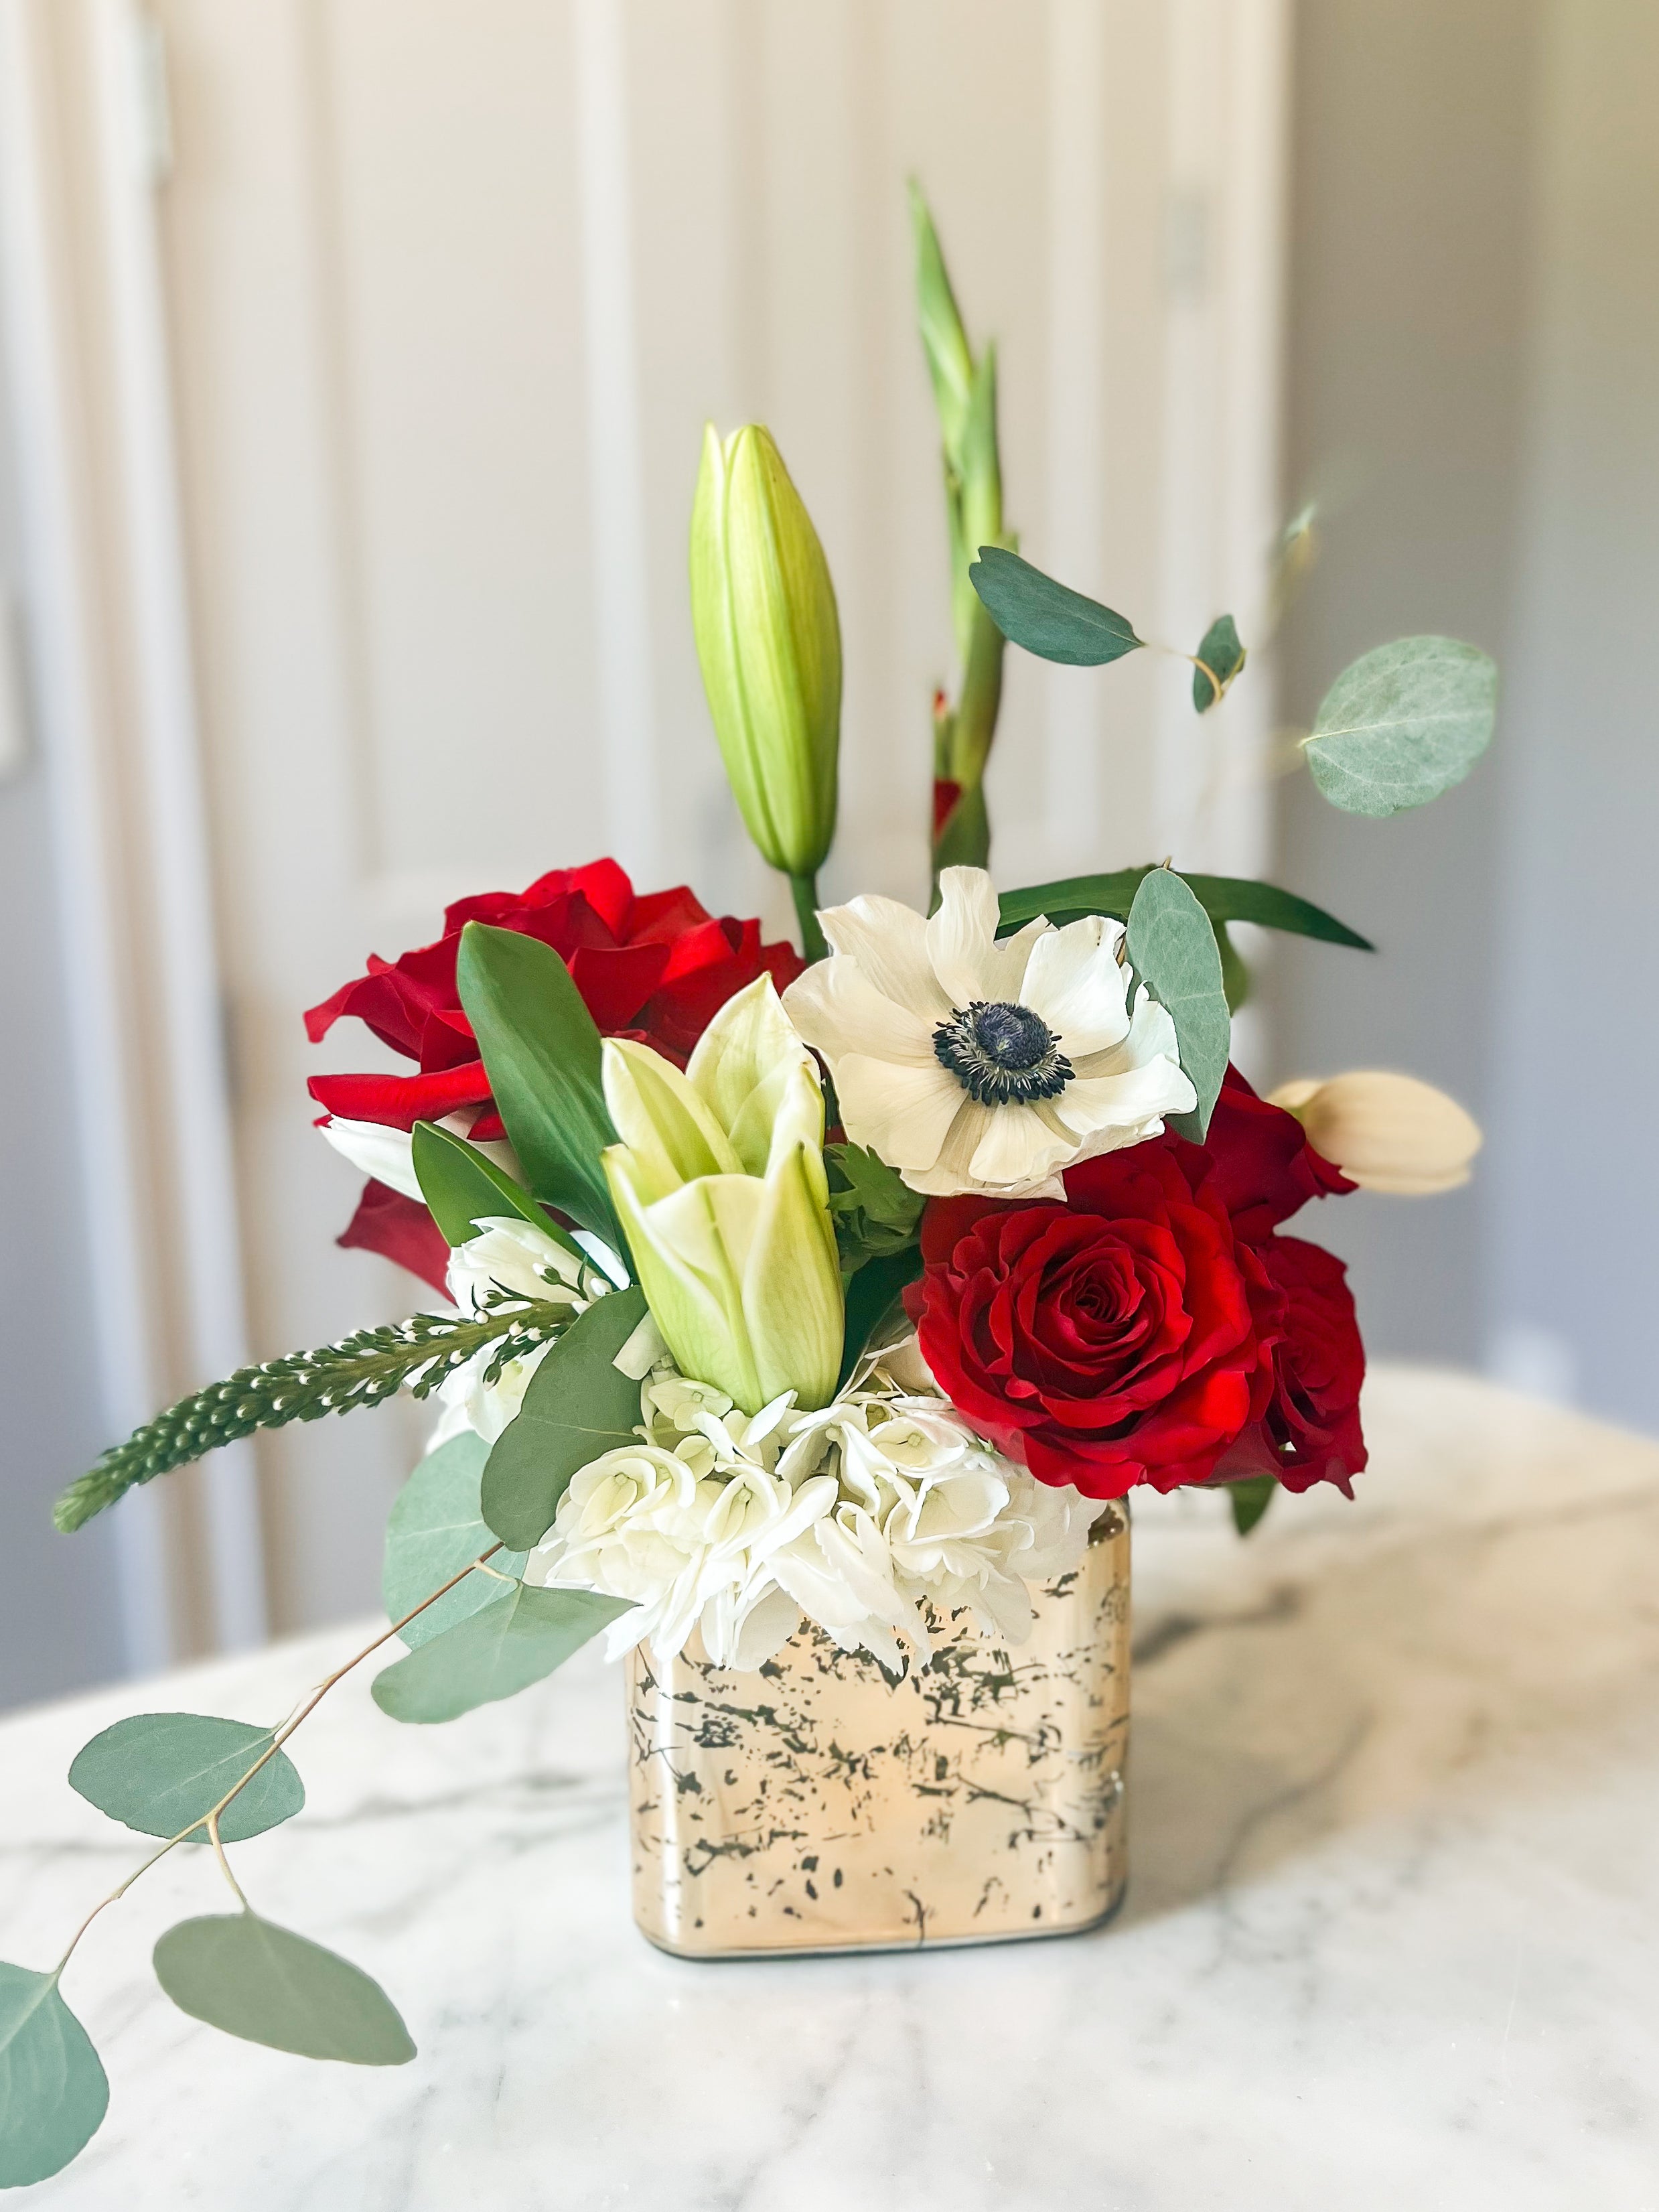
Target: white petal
x: 960, y: 935
x: 1128, y: 1101
x: 836, y: 1007
x: 1018, y: 1148
x: 1005, y: 973
x: 1074, y: 981
x: 890, y: 942
x: 902, y: 1114
x: 386, y: 1154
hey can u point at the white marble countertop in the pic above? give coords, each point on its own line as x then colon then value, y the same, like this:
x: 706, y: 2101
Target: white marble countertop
x: 1392, y: 1937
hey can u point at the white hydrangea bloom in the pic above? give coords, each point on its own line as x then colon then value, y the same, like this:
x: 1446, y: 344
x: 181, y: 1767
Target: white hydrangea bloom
x: 514, y: 1257
x: 861, y: 1517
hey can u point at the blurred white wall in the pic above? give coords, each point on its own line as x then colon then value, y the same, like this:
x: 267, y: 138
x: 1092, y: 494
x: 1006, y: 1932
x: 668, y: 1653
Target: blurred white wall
x: 1475, y: 376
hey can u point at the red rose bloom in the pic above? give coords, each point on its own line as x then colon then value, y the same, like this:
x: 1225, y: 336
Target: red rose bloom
x: 1106, y: 1342
x: 1311, y: 1432
x: 1265, y: 1169
x: 656, y: 968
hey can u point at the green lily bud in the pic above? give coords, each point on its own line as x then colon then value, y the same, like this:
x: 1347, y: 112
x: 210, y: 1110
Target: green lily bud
x: 768, y: 638
x: 721, y: 1187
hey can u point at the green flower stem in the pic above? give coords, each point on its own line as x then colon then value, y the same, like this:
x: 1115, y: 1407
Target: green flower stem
x: 308, y: 1705
x: 805, y: 888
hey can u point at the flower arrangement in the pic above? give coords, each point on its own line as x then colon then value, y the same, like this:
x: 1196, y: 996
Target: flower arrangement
x: 841, y: 1288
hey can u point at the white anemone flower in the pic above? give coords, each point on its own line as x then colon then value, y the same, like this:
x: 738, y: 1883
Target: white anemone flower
x: 969, y: 1065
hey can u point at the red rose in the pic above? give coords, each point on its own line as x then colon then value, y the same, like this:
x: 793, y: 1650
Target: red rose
x: 656, y: 969
x: 1265, y: 1169
x: 1108, y: 1341
x: 1310, y: 1430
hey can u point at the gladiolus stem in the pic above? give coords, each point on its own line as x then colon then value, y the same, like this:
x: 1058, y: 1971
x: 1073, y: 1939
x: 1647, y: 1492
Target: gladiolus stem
x: 812, y: 943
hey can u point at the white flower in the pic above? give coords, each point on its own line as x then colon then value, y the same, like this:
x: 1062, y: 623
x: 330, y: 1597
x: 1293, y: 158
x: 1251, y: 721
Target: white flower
x: 512, y: 1256
x: 1386, y: 1131
x: 862, y: 1516
x: 972, y: 1066
x: 387, y: 1154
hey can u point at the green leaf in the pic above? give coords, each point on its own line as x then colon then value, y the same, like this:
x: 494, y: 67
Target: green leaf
x: 1223, y: 898
x: 579, y: 1403
x: 462, y: 1185
x: 871, y: 1296
x: 1402, y: 725
x: 518, y: 1637
x: 875, y: 1211
x: 1249, y: 1500
x: 265, y: 1983
x: 53, y: 2092
x: 1223, y: 657
x: 434, y: 1529
x: 1235, y: 973
x: 1173, y: 950
x: 159, y: 1772
x: 541, y: 1053
x: 1049, y: 619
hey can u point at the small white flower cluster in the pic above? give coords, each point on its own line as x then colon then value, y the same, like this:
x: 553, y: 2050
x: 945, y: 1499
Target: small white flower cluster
x: 513, y: 1256
x: 861, y: 1517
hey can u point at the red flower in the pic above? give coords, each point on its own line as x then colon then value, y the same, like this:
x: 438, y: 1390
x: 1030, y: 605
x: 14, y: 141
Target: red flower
x: 1265, y: 1169
x: 1108, y: 1341
x: 1311, y: 1432
x: 656, y: 969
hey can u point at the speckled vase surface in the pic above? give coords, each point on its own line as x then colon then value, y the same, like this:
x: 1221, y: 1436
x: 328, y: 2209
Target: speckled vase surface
x: 818, y: 1805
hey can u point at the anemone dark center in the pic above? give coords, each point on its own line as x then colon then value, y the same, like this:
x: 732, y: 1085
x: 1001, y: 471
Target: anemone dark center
x: 1001, y: 1054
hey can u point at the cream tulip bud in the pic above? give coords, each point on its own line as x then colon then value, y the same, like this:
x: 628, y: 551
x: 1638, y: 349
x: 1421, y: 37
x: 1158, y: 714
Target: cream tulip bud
x: 720, y: 1188
x: 1386, y: 1131
x: 768, y: 638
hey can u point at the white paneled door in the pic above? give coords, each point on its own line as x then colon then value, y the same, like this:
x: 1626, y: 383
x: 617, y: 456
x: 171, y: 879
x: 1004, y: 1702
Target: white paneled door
x: 450, y: 288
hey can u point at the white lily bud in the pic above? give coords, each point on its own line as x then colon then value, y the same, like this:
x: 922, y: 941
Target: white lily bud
x: 721, y: 1187
x: 1386, y: 1131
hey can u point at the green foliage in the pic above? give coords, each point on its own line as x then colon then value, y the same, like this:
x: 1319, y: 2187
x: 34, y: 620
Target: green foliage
x: 872, y: 1295
x: 1173, y: 950
x: 1222, y: 656
x: 579, y: 1405
x: 1048, y: 618
x: 1249, y: 1500
x: 876, y: 1213
x: 1403, y: 724
x: 53, y: 2092
x: 1235, y: 974
x: 1223, y: 898
x: 252, y: 1978
x: 161, y: 1772
x: 360, y: 1369
x: 463, y: 1186
x: 436, y: 1529
x: 965, y: 836
x: 520, y: 1636
x: 541, y: 1052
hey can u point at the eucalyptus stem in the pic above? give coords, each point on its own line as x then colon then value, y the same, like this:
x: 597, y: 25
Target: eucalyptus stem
x: 308, y: 1705
x: 805, y: 890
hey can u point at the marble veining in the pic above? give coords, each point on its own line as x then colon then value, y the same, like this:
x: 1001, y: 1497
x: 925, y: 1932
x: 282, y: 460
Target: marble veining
x: 1392, y: 1936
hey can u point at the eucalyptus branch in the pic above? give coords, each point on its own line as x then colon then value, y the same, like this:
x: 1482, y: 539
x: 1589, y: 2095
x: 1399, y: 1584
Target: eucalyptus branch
x: 308, y: 1704
x: 360, y: 1369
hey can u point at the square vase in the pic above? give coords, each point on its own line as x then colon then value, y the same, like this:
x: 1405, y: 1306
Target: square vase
x: 818, y: 1805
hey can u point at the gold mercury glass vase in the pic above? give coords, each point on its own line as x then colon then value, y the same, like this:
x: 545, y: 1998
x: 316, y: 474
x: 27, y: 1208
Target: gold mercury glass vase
x: 818, y: 1805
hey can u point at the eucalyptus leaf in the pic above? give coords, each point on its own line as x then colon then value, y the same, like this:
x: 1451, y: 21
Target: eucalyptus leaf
x: 463, y: 1186
x: 1249, y: 1499
x: 1223, y: 898
x: 159, y: 1772
x: 247, y: 1976
x: 1402, y: 725
x: 434, y: 1528
x: 1223, y: 657
x: 579, y: 1403
x: 541, y: 1053
x: 1048, y: 618
x: 520, y: 1636
x: 53, y: 2091
x: 1173, y: 950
